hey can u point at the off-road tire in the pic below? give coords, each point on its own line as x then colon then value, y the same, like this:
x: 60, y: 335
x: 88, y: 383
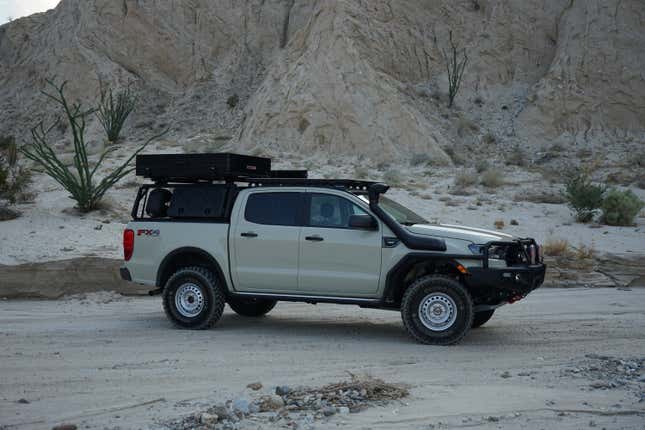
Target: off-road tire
x: 251, y: 307
x: 482, y: 317
x: 212, y: 293
x: 425, y: 287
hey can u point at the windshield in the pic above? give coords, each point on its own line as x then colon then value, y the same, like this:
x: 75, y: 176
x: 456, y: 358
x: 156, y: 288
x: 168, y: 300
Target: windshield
x: 400, y: 213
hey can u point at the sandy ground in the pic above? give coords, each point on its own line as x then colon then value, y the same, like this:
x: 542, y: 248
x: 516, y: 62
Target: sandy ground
x: 91, y: 360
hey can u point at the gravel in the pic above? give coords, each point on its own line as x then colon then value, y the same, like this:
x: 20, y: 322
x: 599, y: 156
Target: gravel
x: 297, y: 406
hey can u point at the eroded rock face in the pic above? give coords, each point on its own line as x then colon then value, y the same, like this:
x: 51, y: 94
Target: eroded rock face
x: 344, y: 76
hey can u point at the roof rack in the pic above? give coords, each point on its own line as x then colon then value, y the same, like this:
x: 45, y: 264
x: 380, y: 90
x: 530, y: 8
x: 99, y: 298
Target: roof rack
x: 166, y: 169
x: 345, y: 184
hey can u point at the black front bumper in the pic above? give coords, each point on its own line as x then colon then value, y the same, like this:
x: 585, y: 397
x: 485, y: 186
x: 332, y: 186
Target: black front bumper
x: 125, y: 274
x: 506, y: 284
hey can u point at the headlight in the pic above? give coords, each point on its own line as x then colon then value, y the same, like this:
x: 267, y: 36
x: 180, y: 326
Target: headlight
x: 476, y: 249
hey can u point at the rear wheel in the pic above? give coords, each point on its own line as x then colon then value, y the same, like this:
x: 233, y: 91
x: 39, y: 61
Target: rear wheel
x: 192, y: 298
x: 251, y: 307
x: 437, y: 310
x: 482, y: 317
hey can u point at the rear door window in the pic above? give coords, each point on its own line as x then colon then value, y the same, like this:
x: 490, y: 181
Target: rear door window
x: 274, y: 208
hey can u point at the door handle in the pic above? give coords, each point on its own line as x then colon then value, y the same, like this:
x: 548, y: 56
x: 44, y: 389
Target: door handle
x: 314, y: 238
x: 249, y: 234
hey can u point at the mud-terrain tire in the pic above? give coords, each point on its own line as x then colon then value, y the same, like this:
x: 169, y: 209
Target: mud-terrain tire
x: 482, y: 317
x: 193, y: 298
x: 437, y: 310
x: 251, y: 307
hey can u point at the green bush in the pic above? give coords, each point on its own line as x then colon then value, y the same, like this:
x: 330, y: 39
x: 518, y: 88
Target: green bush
x: 78, y: 180
x: 113, y: 110
x: 620, y: 207
x: 583, y: 197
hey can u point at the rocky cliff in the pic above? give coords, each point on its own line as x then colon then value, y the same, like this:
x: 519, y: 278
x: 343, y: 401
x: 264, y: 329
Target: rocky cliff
x: 361, y: 77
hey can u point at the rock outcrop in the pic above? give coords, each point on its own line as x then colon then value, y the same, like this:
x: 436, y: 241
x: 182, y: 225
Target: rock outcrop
x: 343, y: 76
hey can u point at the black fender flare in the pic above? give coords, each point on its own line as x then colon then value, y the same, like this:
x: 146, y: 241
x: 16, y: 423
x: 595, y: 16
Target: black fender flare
x: 186, y: 250
x: 394, y: 286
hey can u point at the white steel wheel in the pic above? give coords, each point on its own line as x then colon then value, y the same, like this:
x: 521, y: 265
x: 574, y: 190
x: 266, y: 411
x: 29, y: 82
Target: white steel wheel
x: 438, y: 311
x: 189, y: 300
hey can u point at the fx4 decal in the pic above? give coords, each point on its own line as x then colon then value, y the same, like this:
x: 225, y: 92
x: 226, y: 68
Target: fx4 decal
x: 148, y: 232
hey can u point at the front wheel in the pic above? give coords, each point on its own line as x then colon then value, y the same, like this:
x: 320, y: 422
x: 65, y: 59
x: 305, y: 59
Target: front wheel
x: 251, y: 307
x: 482, y: 317
x: 437, y: 310
x: 192, y: 298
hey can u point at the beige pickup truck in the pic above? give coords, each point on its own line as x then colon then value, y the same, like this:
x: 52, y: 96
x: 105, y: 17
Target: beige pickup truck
x: 248, y: 236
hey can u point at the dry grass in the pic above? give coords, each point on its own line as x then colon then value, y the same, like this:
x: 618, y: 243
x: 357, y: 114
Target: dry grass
x: 499, y: 224
x: 556, y: 247
x: 583, y: 252
x: 562, y: 248
x: 492, y: 179
x: 540, y: 197
x: 516, y: 157
x: 464, y: 180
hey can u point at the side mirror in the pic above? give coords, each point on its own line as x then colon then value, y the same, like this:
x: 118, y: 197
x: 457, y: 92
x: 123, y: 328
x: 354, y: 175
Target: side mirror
x: 365, y: 222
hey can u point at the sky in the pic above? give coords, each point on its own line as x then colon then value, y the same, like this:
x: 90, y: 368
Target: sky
x: 19, y: 8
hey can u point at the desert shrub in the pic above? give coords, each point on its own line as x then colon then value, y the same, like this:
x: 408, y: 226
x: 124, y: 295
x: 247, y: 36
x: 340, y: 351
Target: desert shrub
x: 361, y: 172
x: 14, y: 178
x: 582, y: 196
x: 492, y: 178
x: 489, y: 138
x: 516, y: 157
x: 466, y: 127
x: 481, y: 166
x: 233, y: 100
x: 114, y: 109
x: 557, y: 147
x: 420, y: 158
x: 556, y: 247
x: 583, y: 252
x: 456, y: 60
x: 392, y: 177
x: 465, y: 179
x: 7, y: 214
x: 620, y: 207
x: 454, y: 156
x: 639, y: 160
x: 79, y: 179
x: 540, y: 197
x: 499, y: 224
x: 6, y: 141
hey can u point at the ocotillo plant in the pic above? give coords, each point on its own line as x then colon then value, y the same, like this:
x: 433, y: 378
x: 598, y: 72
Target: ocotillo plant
x: 455, y: 67
x: 80, y: 183
x: 114, y: 109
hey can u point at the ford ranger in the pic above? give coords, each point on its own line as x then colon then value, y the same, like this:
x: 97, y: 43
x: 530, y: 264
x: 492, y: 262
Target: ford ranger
x: 216, y: 229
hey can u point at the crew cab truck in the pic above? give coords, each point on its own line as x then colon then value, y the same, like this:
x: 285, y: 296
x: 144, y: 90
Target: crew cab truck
x: 216, y: 229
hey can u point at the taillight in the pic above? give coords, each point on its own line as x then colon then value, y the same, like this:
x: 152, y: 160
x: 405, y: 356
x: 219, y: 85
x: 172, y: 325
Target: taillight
x: 128, y: 243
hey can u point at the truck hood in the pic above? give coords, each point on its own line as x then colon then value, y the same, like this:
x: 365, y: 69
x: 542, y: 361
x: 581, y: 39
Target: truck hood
x: 475, y: 235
